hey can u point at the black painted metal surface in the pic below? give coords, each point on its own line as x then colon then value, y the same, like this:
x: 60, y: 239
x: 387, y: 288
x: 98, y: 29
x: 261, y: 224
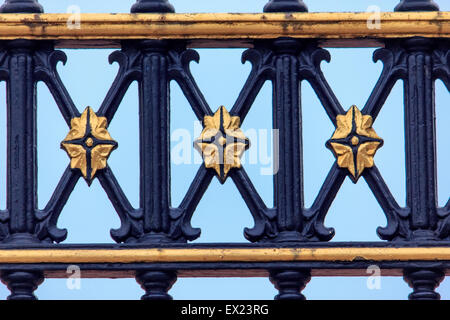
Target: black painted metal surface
x: 286, y: 63
x: 21, y: 6
x: 285, y: 6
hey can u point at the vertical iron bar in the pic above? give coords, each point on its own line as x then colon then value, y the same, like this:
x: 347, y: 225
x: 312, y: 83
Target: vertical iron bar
x: 154, y: 113
x: 154, y: 122
x: 288, y: 181
x: 21, y: 153
x: 154, y: 141
x: 420, y: 139
x: 421, y: 177
x: 21, y: 125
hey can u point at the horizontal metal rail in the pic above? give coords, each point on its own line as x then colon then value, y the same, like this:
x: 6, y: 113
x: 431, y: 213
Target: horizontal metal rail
x: 223, y: 29
x: 290, y: 242
x: 215, y: 260
x: 122, y: 255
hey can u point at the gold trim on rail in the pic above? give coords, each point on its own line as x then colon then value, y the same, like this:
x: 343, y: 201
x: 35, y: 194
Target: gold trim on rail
x: 223, y: 26
x: 27, y: 256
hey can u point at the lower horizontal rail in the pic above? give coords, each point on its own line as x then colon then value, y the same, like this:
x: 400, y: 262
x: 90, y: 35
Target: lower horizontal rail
x: 227, y: 261
x: 155, y: 255
x: 221, y: 273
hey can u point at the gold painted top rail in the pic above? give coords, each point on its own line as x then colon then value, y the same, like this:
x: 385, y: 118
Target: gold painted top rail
x: 223, y: 29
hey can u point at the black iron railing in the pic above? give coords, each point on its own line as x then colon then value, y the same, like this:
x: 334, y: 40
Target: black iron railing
x: 288, y: 241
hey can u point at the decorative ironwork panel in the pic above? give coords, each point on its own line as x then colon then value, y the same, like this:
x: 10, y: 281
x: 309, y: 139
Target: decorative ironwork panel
x: 285, y: 60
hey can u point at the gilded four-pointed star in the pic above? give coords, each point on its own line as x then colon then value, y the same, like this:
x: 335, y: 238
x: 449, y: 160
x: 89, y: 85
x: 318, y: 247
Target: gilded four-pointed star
x: 355, y: 142
x: 222, y: 142
x: 88, y: 144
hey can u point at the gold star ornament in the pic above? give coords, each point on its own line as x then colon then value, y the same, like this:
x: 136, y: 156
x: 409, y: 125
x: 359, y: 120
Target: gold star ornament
x: 222, y: 142
x: 88, y: 144
x: 355, y: 142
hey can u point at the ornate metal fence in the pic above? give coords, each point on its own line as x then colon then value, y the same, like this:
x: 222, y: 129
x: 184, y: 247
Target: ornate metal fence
x: 288, y: 243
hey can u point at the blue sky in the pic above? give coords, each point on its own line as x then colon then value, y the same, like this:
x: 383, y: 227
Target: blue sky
x: 355, y: 214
